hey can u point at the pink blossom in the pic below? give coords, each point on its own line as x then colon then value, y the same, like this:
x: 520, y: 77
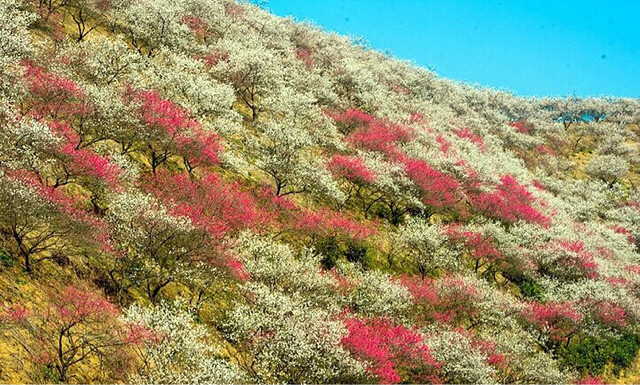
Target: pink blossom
x: 423, y: 291
x: 237, y: 269
x: 521, y: 127
x: 445, y: 145
x: 351, y: 168
x: 588, y: 380
x: 330, y: 223
x: 510, y: 202
x: 391, y: 350
x: 542, y: 149
x: 196, y: 24
x: 14, y: 313
x: 622, y: 230
x: 76, y: 304
x: 52, y: 95
x: 352, y: 118
x: 610, y: 314
x: 381, y: 137
x: 305, y: 56
x: 559, y: 319
x: 162, y: 113
x: 137, y: 334
x: 213, y: 204
x: 481, y: 247
x: 86, y: 162
x: 465, y: 133
x: 438, y: 189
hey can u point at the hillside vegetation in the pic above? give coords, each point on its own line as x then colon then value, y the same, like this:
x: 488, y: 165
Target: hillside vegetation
x: 196, y: 191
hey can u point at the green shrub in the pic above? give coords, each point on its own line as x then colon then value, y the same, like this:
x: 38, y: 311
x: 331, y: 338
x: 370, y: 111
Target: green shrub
x: 591, y: 355
x: 5, y: 259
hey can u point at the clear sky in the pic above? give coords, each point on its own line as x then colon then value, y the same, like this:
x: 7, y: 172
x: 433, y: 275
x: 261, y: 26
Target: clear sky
x: 530, y: 47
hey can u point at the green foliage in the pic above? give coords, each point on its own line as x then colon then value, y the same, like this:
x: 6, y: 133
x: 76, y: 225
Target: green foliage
x: 332, y: 251
x: 529, y: 289
x: 356, y: 253
x: 5, y: 259
x: 591, y: 355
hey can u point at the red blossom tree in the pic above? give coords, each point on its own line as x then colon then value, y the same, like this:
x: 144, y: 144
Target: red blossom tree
x: 558, y: 320
x: 509, y: 203
x: 350, y: 119
x: 480, y: 247
x: 466, y: 133
x: 588, y: 380
x: 450, y: 300
x: 79, y: 325
x: 394, y: 352
x: 217, y: 206
x: 610, y: 314
x: 327, y: 223
x: 457, y: 303
x: 542, y: 149
x: 50, y: 95
x: 199, y: 27
x: 167, y: 126
x: 445, y: 145
x: 86, y: 162
x: 569, y: 260
x: 422, y: 290
x: 622, y: 230
x: 520, y: 126
x: 199, y: 148
x: 305, y: 56
x: 351, y: 168
x: 438, y: 190
x: 379, y: 136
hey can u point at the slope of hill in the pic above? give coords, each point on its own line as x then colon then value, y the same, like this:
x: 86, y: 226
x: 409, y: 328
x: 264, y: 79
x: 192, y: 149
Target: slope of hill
x: 196, y: 191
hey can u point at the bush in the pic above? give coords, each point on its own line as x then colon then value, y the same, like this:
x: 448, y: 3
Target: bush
x: 529, y: 289
x: 5, y: 259
x: 591, y: 355
x: 356, y: 253
x: 332, y: 250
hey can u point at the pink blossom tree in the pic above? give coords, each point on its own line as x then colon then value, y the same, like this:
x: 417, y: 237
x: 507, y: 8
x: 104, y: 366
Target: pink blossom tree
x: 394, y: 352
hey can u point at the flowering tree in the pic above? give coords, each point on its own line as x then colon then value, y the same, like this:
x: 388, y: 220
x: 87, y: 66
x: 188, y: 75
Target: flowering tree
x: 510, y: 202
x: 166, y: 126
x: 78, y: 326
x: 394, y: 352
x: 154, y: 25
x: 427, y: 248
x: 282, y: 339
x: 254, y: 72
x: 217, y: 206
x: 25, y: 143
x: 155, y: 248
x: 284, y: 151
x: 51, y: 95
x: 487, y: 259
x: 556, y: 322
x: 171, y: 347
x: 608, y: 168
x: 508, y: 251
x: 438, y: 190
x: 350, y: 168
x: 568, y: 260
x: 16, y: 45
x: 36, y: 227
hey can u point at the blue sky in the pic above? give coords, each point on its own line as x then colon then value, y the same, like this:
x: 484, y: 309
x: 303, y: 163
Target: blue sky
x: 530, y: 47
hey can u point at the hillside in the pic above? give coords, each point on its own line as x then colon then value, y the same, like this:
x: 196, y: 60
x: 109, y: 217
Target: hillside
x: 197, y: 191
